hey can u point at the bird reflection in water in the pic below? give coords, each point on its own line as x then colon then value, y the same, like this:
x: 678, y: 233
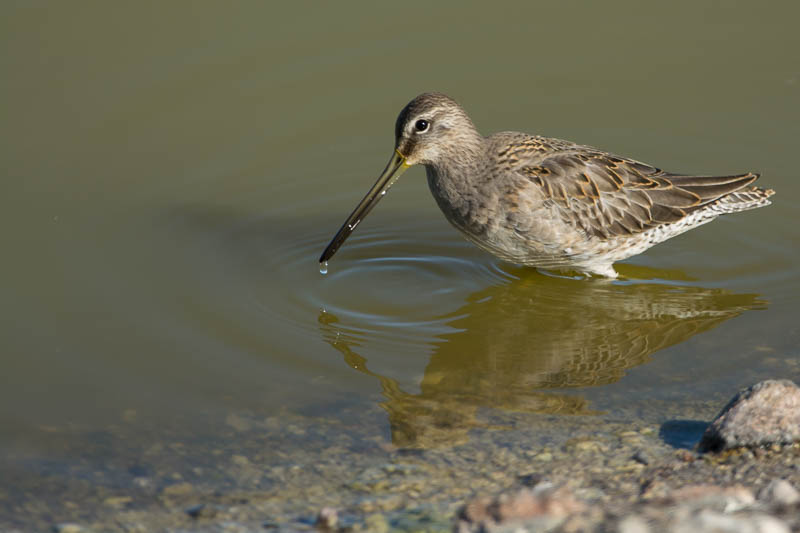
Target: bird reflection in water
x: 516, y: 346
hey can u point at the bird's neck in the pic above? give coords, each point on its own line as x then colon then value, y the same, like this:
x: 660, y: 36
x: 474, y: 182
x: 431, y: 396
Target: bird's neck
x: 454, y: 181
x: 463, y: 162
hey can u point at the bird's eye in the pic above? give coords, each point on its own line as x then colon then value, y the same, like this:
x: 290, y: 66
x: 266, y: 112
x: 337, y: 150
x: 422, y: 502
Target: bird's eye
x: 421, y: 125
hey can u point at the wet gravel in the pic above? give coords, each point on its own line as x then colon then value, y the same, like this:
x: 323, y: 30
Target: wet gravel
x: 277, y: 473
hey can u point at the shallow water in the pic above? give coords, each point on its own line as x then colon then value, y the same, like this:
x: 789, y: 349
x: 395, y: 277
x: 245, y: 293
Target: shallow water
x: 170, y: 177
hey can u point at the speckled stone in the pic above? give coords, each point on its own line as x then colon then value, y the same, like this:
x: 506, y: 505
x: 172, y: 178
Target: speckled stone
x: 766, y: 413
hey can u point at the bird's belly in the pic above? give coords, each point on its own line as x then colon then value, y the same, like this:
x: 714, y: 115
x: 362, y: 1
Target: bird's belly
x: 530, y: 248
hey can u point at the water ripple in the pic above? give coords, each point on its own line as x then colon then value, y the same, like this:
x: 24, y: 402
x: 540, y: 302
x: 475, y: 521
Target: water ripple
x: 385, y: 282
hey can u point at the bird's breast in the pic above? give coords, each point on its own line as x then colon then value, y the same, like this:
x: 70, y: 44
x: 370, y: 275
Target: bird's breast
x: 463, y: 203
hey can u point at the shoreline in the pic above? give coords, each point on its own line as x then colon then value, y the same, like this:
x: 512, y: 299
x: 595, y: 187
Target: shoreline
x: 255, y: 478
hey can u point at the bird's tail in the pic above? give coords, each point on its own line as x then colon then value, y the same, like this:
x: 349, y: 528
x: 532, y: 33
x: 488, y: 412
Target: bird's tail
x: 742, y: 200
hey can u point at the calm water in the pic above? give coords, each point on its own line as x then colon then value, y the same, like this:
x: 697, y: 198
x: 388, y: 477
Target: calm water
x: 170, y: 174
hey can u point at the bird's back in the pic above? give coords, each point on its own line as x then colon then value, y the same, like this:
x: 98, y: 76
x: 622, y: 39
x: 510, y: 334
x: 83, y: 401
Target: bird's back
x: 579, y: 205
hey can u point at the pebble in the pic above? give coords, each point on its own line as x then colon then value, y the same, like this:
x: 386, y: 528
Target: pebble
x: 177, y: 489
x: 633, y: 524
x: 588, y: 446
x: 768, y: 413
x: 685, y: 455
x: 240, y: 460
x: 727, y: 499
x: 779, y: 492
x: 68, y: 527
x: 238, y: 422
x: 530, y: 480
x: 387, y: 503
x: 142, y: 482
x: 641, y: 457
x: 327, y: 518
x: 708, y: 520
x: 117, y: 501
x: 541, y: 507
x: 201, y: 510
x: 376, y: 523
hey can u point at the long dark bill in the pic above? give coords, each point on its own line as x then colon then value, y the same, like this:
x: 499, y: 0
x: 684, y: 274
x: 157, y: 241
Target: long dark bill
x: 397, y: 165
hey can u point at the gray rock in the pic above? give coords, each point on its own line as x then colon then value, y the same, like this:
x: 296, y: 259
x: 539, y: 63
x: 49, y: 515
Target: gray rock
x: 779, y: 492
x: 633, y: 524
x: 708, y: 520
x: 766, y: 413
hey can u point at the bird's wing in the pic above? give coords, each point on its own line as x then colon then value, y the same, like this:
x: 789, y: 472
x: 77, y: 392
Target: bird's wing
x: 606, y: 196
